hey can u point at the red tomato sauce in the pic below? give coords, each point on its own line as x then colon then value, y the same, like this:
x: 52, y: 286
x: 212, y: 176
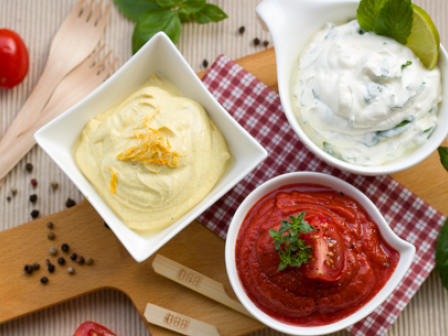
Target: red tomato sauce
x: 319, y: 292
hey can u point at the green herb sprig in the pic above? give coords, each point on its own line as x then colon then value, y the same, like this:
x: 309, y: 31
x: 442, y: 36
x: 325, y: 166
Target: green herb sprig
x: 391, y: 18
x: 443, y: 152
x: 293, y: 228
x: 442, y: 255
x: 153, y: 16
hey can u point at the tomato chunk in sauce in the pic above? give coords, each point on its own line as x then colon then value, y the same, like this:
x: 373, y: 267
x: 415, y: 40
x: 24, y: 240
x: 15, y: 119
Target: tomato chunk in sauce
x: 350, y: 261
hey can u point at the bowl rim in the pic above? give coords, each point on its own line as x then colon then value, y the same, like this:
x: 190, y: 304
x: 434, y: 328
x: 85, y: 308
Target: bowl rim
x: 150, y: 51
x: 402, y: 163
x: 406, y: 256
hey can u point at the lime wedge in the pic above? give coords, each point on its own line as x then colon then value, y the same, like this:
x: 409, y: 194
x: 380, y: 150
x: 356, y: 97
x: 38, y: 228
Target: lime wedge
x: 424, y: 40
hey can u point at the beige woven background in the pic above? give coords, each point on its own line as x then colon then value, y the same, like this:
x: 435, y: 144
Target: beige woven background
x: 37, y: 21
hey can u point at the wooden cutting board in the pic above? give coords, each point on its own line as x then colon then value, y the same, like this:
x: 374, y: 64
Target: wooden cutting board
x: 196, y: 247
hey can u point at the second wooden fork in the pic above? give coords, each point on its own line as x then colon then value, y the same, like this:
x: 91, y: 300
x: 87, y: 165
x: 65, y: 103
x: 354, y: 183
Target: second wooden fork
x: 73, y: 88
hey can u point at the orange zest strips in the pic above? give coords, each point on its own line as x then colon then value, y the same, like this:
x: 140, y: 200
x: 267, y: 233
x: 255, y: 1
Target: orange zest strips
x: 113, y: 181
x: 151, y: 147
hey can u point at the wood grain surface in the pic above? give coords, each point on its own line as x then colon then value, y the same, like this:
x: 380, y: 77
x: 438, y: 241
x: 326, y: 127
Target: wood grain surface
x: 195, y: 247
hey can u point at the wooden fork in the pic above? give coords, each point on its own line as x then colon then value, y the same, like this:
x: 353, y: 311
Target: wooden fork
x: 77, y: 85
x: 74, y: 41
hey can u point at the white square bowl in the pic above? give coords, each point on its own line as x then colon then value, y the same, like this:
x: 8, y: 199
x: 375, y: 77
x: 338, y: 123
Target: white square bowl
x: 159, y: 56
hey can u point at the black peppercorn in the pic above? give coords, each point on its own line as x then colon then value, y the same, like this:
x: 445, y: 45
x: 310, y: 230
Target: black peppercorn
x: 256, y: 41
x: 8, y: 199
x: 266, y: 43
x: 33, y: 198
x: 14, y: 191
x: 36, y: 266
x: 341, y: 193
x: 65, y: 247
x: 34, y: 182
x: 29, y: 167
x: 73, y: 256
x: 205, y: 63
x: 48, y: 262
x: 50, y: 225
x: 61, y: 261
x: 106, y: 226
x: 70, y: 203
x: 54, y: 185
x: 28, y: 269
x: 242, y: 29
x: 80, y: 259
x: 51, y: 268
x: 35, y: 213
x: 44, y: 280
x: 352, y: 246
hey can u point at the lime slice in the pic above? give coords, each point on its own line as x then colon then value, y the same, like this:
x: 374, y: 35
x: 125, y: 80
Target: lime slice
x: 424, y: 40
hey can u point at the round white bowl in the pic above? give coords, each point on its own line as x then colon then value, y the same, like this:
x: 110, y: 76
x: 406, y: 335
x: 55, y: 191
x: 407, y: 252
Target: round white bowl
x: 406, y: 250
x: 292, y: 23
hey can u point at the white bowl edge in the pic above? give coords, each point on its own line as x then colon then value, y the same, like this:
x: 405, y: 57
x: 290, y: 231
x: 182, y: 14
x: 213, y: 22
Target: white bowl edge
x: 406, y: 250
x: 306, y: 17
x: 246, y: 157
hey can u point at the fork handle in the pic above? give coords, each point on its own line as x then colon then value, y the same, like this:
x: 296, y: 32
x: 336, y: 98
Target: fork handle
x: 50, y: 79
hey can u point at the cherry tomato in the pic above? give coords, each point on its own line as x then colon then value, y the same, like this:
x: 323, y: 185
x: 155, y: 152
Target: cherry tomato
x: 14, y: 60
x: 92, y: 329
x: 327, y: 260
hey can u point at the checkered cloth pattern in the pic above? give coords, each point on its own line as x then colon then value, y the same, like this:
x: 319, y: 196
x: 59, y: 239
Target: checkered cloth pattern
x: 259, y: 111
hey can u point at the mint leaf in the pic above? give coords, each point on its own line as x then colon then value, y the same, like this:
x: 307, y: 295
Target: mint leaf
x: 153, y: 22
x: 192, y: 6
x: 368, y: 12
x: 210, y: 13
x: 133, y: 9
x: 443, y: 152
x: 442, y: 255
x: 395, y: 20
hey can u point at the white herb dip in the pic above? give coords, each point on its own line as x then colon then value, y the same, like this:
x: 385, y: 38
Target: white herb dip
x: 364, y: 98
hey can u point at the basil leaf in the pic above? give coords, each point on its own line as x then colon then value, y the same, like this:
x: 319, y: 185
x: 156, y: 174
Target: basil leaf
x: 153, y: 22
x: 368, y: 12
x: 443, y: 152
x: 210, y: 13
x: 395, y: 20
x: 168, y: 3
x: 133, y: 9
x: 442, y: 255
x: 192, y: 6
x: 185, y: 17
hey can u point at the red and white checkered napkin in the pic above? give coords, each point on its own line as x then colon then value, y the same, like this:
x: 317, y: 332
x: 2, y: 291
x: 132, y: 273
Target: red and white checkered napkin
x: 258, y: 110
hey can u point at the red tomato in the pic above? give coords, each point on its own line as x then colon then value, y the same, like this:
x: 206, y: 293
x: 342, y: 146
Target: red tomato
x: 92, y: 329
x: 13, y: 59
x: 327, y: 259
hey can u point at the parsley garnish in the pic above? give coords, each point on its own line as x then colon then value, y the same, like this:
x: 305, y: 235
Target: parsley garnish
x: 391, y: 18
x: 294, y: 228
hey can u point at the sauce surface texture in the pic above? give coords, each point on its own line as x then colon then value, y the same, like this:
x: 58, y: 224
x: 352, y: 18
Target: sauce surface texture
x: 365, y: 260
